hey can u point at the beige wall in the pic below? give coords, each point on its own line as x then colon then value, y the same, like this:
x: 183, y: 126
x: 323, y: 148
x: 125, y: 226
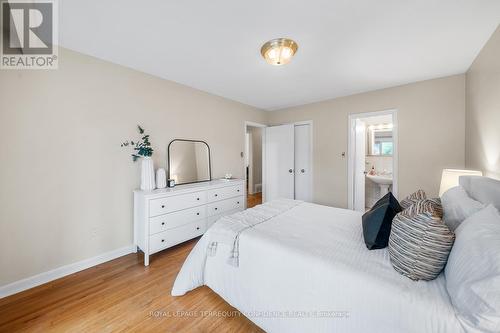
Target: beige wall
x: 431, y: 134
x: 66, y: 185
x: 482, y: 149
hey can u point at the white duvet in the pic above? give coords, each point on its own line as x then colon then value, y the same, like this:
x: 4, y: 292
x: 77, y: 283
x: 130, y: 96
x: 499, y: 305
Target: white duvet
x: 308, y: 270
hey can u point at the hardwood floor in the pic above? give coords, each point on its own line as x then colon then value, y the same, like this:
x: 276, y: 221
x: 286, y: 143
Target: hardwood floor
x: 254, y: 199
x: 122, y: 296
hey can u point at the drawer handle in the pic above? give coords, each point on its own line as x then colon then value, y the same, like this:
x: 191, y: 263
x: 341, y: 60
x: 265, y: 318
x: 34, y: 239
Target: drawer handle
x: 237, y: 190
x: 162, y: 240
x: 215, y: 208
x: 198, y: 199
x: 197, y: 213
x: 197, y: 228
x: 163, y: 223
x: 215, y: 194
x: 162, y: 206
x: 238, y: 202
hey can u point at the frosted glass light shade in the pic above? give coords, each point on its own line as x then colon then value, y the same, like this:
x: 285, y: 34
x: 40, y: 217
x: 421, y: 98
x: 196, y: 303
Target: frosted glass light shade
x: 279, y: 51
x: 450, y: 178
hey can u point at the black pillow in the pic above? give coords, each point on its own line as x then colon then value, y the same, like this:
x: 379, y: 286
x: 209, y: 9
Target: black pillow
x: 378, y: 220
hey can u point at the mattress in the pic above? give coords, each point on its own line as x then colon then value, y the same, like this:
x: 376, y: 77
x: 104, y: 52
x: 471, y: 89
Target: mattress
x: 308, y: 270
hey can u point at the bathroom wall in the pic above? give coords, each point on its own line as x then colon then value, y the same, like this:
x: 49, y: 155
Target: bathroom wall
x: 381, y: 163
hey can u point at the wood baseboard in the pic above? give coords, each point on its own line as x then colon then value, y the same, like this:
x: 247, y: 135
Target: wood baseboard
x: 36, y: 280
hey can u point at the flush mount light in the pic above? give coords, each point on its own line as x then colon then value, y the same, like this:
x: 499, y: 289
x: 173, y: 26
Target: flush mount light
x: 279, y: 51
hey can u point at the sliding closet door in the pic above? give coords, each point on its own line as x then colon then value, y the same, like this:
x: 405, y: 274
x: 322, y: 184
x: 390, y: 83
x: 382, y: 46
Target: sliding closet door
x: 303, y: 163
x: 279, y: 154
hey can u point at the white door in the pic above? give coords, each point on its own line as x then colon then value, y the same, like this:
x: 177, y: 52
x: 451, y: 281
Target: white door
x: 359, y: 166
x: 303, y: 163
x: 279, y: 152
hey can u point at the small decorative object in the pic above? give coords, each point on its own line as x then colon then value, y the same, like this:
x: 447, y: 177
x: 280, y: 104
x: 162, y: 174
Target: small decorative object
x: 142, y: 148
x: 161, y: 178
x: 228, y: 176
x: 147, y: 174
x: 171, y: 182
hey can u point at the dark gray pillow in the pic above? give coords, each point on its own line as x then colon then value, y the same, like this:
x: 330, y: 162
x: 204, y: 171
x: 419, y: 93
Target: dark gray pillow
x: 420, y: 242
x: 377, y: 222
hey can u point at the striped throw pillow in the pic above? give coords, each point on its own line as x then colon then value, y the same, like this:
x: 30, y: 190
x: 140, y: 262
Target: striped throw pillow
x: 420, y: 242
x: 413, y: 199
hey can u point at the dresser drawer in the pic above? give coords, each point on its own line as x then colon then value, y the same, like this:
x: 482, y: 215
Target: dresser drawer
x: 220, y: 207
x: 176, y: 219
x: 175, y: 236
x: 225, y: 193
x: 175, y: 203
x: 214, y: 218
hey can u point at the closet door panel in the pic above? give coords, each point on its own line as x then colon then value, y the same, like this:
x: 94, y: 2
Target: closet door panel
x: 303, y: 174
x: 279, y: 154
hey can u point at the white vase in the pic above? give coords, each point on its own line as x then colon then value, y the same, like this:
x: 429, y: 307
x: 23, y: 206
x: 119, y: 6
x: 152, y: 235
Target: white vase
x: 161, y: 178
x: 147, y: 174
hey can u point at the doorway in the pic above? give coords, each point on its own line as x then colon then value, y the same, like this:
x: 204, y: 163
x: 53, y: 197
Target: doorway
x: 254, y: 156
x: 373, y: 158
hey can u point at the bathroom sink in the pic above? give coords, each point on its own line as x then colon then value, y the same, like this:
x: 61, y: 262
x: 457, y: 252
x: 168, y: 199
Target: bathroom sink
x: 380, y: 179
x: 383, y: 181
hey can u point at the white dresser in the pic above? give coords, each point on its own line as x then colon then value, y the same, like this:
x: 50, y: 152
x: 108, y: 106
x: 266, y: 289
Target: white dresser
x: 166, y: 217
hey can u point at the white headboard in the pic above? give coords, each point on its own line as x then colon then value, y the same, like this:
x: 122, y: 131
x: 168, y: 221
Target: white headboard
x: 483, y: 189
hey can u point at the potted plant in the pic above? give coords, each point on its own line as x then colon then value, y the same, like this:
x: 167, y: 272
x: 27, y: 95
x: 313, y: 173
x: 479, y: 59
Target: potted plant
x: 142, y: 149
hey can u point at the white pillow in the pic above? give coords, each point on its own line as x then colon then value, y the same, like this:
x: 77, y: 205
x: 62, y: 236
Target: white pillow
x: 473, y: 271
x: 457, y: 206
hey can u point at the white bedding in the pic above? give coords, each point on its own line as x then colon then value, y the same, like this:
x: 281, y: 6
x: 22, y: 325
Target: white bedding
x: 308, y: 270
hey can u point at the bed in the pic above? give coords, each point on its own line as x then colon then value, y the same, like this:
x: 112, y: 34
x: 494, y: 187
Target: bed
x: 307, y: 269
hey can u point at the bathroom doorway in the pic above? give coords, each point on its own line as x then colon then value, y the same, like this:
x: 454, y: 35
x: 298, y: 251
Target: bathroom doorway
x: 254, y: 134
x: 372, y: 158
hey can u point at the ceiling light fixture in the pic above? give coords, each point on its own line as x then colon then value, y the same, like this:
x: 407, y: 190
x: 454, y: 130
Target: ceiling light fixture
x: 279, y: 51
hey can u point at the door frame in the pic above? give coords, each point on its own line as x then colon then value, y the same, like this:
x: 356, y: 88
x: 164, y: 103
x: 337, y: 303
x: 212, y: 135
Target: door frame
x: 350, y: 151
x: 245, y: 127
x: 249, y: 145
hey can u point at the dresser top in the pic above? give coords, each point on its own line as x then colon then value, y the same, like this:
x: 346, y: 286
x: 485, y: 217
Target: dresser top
x: 187, y: 188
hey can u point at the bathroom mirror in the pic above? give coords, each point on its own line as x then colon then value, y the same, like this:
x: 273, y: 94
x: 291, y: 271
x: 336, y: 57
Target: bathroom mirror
x: 380, y: 142
x: 189, y: 161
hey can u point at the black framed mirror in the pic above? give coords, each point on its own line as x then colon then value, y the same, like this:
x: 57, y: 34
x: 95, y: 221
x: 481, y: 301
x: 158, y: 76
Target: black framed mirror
x: 188, y: 161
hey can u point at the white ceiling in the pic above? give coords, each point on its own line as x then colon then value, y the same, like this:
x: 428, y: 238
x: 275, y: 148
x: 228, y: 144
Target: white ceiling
x: 345, y: 46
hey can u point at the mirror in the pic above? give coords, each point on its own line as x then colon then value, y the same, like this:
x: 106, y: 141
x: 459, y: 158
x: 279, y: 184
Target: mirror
x: 380, y: 141
x: 188, y: 161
